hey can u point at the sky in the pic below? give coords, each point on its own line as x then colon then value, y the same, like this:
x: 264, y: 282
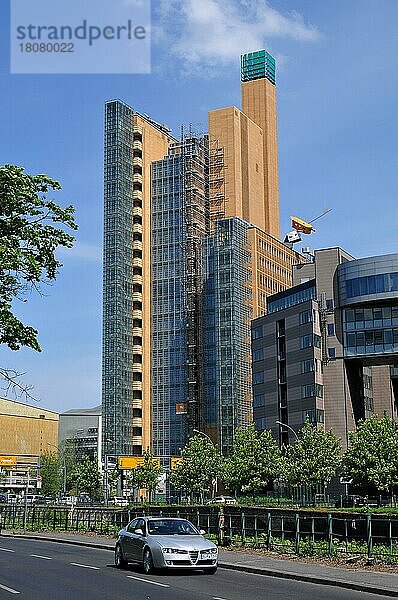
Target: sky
x: 337, y: 89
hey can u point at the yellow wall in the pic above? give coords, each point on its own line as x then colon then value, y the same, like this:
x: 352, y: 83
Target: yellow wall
x: 242, y: 141
x: 259, y: 104
x: 26, y: 429
x: 154, y: 147
x: 272, y: 265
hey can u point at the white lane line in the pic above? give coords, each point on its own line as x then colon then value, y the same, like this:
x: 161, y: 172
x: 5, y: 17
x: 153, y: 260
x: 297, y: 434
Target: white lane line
x: 43, y: 557
x: 218, y: 598
x: 7, y: 589
x: 148, y: 581
x: 85, y: 566
x: 6, y: 550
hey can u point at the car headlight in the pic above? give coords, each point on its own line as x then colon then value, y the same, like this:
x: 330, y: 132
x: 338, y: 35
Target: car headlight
x: 210, y: 551
x: 173, y: 551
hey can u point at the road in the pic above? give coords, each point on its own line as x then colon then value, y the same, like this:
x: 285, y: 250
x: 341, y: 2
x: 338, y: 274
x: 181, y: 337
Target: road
x: 39, y: 570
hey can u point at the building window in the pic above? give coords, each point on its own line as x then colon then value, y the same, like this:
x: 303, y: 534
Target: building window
x: 307, y: 391
x: 317, y: 341
x: 260, y: 424
x: 318, y: 390
x: 258, y: 377
x: 332, y: 353
x: 305, y: 317
x: 314, y: 416
x: 306, y: 341
x: 257, y: 332
x: 307, y: 366
x: 329, y: 304
x: 258, y: 354
x: 258, y: 400
x: 330, y: 328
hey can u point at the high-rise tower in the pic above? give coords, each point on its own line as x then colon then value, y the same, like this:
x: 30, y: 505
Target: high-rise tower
x: 259, y: 104
x: 132, y: 142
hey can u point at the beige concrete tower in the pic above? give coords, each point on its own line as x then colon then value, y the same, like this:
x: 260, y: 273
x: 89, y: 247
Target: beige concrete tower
x: 259, y: 104
x: 242, y: 141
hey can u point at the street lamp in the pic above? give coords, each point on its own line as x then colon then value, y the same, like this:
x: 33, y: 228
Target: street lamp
x: 288, y: 427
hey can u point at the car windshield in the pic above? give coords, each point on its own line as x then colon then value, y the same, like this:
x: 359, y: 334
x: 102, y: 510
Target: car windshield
x: 171, y: 527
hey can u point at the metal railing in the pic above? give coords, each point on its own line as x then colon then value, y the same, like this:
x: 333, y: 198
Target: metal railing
x: 307, y: 533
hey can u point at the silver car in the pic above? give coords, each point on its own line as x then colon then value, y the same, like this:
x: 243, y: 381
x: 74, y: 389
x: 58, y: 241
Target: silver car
x: 163, y: 543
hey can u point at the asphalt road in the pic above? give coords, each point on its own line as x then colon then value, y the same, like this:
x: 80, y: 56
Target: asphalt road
x: 39, y: 570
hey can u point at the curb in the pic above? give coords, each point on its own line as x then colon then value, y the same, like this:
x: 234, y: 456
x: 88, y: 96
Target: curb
x: 234, y: 567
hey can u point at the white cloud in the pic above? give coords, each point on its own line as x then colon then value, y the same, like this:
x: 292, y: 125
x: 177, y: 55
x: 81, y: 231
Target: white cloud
x: 205, y: 33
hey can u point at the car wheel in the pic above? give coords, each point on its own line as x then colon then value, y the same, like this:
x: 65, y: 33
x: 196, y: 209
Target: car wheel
x: 147, y: 562
x: 211, y: 571
x: 120, y: 561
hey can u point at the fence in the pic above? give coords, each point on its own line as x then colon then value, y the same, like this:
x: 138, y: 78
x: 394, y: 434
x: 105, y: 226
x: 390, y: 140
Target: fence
x: 308, y: 533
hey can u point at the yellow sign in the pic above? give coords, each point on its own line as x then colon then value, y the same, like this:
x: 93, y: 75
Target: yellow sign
x: 132, y: 462
x: 8, y: 461
x: 175, y: 461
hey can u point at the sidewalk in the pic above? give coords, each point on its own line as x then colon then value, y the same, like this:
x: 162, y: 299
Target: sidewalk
x: 385, y: 584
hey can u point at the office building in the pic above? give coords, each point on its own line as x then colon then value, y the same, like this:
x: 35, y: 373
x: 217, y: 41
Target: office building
x: 132, y: 142
x: 325, y: 348
x: 186, y: 221
x: 81, y: 430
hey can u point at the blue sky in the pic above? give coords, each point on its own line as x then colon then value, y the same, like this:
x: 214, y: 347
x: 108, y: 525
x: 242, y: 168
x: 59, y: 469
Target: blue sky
x: 337, y: 122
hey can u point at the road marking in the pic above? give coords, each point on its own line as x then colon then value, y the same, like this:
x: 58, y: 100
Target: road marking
x: 148, y: 581
x: 6, y: 550
x: 43, y: 557
x: 218, y: 598
x: 84, y: 566
x: 7, y: 589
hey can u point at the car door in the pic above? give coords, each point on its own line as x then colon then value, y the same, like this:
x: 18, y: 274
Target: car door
x: 138, y: 540
x: 126, y: 538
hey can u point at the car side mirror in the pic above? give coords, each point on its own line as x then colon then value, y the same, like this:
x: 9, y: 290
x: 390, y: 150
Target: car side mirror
x: 139, y: 532
x: 202, y: 531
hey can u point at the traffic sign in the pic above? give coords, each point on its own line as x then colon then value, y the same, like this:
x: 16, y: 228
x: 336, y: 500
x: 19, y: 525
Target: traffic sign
x: 8, y: 461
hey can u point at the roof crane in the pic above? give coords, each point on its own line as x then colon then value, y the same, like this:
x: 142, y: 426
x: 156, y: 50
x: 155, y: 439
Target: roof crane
x: 301, y: 226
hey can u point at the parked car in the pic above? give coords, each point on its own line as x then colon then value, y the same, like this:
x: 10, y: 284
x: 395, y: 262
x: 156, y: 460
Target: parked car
x: 222, y: 500
x: 3, y: 498
x: 159, y: 543
x: 67, y: 500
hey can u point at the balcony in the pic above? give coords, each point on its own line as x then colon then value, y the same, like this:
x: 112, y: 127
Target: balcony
x: 137, y: 350
x: 137, y: 245
x: 137, y: 161
x: 137, y: 421
x: 137, y: 145
x: 137, y: 262
x: 137, y: 296
x: 137, y: 178
x: 137, y: 314
x: 137, y: 211
x: 137, y: 228
x: 137, y: 440
x: 137, y: 385
x: 137, y: 368
x: 137, y: 331
x: 137, y: 403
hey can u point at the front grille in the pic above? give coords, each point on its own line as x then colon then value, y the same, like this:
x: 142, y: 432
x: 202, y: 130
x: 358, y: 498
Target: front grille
x: 193, y: 557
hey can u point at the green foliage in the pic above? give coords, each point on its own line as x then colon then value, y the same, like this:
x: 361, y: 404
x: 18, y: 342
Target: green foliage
x: 29, y: 238
x: 50, y: 474
x: 255, y: 461
x: 314, y: 458
x: 372, y: 458
x: 146, y: 475
x: 199, y: 469
x: 87, y: 478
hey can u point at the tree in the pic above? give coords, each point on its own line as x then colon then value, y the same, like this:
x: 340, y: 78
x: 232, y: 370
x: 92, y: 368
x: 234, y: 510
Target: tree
x: 32, y: 228
x: 87, y: 477
x: 146, y: 475
x: 372, y: 457
x: 313, y: 459
x: 254, y: 461
x: 50, y: 474
x: 199, y: 468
